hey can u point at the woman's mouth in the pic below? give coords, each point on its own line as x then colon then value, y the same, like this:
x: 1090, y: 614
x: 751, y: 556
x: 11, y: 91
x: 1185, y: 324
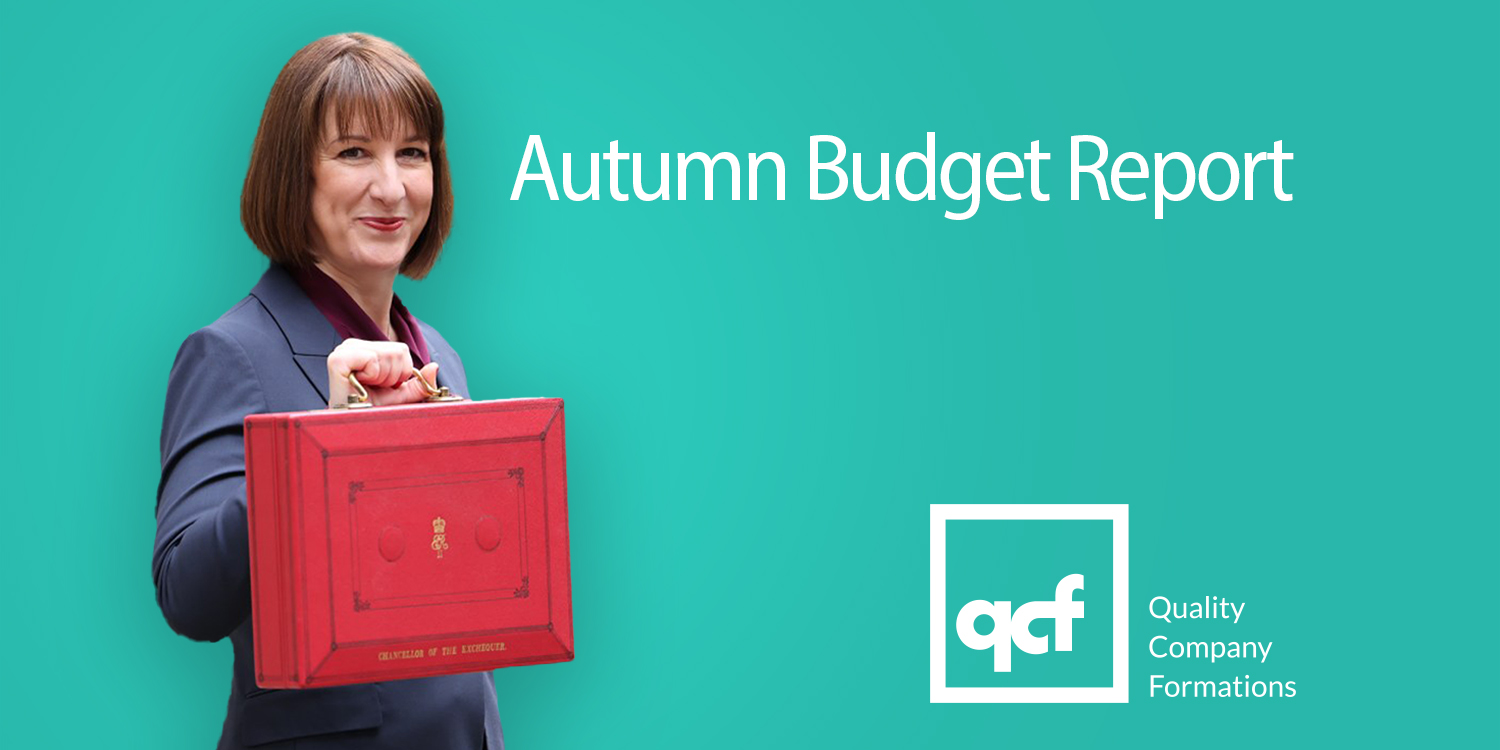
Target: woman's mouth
x: 383, y: 224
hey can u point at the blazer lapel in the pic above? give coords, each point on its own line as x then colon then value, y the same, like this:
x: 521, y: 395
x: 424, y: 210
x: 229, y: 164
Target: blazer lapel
x: 316, y: 370
x: 309, y: 335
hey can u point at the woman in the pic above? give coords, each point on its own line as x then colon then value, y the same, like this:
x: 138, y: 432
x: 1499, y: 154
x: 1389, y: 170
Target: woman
x: 347, y: 186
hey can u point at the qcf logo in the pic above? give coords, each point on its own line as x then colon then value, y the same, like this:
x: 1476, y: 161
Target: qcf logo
x: 1016, y: 628
x: 1007, y: 612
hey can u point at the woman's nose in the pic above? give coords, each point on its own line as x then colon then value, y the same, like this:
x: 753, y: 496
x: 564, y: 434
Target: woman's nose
x: 386, y: 185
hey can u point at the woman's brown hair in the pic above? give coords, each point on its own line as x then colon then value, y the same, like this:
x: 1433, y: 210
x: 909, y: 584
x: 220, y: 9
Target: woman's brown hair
x: 359, y: 76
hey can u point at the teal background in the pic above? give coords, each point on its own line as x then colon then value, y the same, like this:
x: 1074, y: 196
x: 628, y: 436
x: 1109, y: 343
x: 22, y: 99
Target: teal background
x: 1297, y: 399
x: 1020, y: 562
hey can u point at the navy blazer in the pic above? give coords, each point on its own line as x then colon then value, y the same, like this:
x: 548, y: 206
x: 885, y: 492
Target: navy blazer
x: 269, y: 353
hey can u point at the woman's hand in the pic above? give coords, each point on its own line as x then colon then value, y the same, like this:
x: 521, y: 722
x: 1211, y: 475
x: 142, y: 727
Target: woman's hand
x: 382, y: 367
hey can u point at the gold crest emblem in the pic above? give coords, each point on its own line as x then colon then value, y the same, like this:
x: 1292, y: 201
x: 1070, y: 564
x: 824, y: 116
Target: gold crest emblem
x: 439, y: 536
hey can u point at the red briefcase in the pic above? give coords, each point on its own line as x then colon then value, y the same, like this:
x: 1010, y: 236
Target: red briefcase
x: 407, y: 541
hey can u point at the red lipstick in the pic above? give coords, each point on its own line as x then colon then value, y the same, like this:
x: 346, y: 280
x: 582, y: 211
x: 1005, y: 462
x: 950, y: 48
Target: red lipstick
x: 383, y: 224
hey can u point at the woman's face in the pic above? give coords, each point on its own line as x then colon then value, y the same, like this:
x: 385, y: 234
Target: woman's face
x: 371, y: 196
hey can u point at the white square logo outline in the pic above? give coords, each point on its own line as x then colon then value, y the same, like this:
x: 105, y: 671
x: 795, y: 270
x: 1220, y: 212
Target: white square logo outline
x: 1118, y: 515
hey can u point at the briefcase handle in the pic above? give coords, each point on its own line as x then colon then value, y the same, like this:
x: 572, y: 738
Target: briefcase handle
x: 360, y: 398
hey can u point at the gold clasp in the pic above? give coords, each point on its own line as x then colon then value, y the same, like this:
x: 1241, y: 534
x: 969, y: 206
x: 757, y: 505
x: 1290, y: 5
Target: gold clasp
x: 359, y: 398
x: 435, y: 393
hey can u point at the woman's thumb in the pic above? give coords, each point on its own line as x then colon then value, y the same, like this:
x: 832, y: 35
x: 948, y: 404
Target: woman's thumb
x: 418, y: 390
x: 412, y: 389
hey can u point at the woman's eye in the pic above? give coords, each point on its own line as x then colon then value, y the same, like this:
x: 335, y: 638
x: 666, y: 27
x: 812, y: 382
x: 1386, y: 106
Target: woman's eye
x: 415, y: 153
x: 352, y: 152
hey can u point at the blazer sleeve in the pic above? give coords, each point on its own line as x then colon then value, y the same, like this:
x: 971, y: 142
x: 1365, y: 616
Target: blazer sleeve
x: 201, y: 561
x: 450, y: 366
